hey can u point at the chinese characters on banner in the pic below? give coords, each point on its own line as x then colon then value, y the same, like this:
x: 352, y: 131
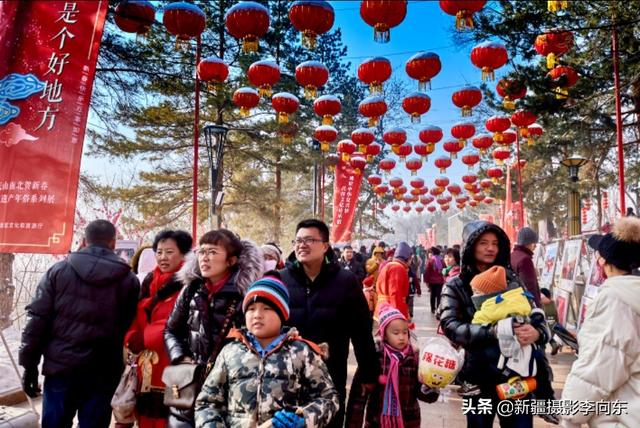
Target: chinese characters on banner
x: 48, y: 54
x: 346, y: 189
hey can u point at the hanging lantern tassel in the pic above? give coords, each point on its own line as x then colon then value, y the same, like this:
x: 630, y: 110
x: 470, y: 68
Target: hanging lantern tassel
x: 463, y: 143
x: 327, y: 119
x: 324, y: 146
x: 557, y: 5
x: 286, y: 139
x: 309, y: 39
x: 498, y: 137
x: 508, y: 103
x: 373, y: 121
x: 561, y: 93
x: 345, y: 157
x: 265, y: 91
x: 464, y: 20
x: 466, y: 111
x: 381, y: 33
x: 530, y: 141
x: 415, y: 118
x: 283, y: 117
x: 310, y: 92
x: 249, y: 44
x: 375, y: 87
x: 244, y: 112
x: 551, y: 60
x: 488, y: 74
x: 524, y: 132
x: 181, y: 45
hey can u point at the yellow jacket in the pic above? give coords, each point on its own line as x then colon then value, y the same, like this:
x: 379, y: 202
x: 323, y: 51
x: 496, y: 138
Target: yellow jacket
x: 512, y: 302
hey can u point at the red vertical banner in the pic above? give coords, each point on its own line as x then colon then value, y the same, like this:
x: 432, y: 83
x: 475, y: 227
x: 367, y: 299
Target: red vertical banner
x: 346, y: 189
x: 48, y: 55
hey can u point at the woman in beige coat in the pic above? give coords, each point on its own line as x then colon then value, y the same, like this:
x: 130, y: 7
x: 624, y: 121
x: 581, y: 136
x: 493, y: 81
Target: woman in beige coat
x: 608, y: 366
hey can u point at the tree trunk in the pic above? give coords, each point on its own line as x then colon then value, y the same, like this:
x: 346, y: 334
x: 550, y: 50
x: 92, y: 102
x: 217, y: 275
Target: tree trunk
x: 277, y: 207
x: 6, y: 289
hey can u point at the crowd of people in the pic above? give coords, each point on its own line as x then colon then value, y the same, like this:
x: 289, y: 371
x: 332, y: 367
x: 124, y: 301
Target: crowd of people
x: 229, y: 333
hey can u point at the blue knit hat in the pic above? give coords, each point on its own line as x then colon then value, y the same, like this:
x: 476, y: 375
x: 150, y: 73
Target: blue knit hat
x: 403, y: 251
x: 269, y: 290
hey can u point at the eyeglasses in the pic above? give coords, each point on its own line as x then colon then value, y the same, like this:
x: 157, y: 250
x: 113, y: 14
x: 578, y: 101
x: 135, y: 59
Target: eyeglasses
x: 306, y: 241
x: 202, y: 252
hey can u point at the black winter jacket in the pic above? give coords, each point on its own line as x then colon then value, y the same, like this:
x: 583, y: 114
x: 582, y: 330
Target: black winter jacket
x: 457, y: 310
x: 355, y: 267
x: 195, y: 325
x: 80, y: 314
x: 332, y: 309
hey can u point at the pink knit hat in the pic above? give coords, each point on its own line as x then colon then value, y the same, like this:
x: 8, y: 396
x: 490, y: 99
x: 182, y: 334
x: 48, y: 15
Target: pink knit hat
x: 386, y: 314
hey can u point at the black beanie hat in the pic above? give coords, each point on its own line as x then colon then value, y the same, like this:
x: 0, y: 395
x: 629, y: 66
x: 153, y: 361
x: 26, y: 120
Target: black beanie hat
x: 621, y: 247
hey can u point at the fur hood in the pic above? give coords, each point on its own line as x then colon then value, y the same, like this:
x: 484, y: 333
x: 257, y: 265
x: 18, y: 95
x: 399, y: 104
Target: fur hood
x: 249, y: 268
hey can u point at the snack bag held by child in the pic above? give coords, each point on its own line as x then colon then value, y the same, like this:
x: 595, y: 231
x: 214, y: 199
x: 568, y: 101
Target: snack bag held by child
x: 440, y: 362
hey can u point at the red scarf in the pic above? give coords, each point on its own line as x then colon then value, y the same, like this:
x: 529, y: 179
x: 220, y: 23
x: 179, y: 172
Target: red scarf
x: 160, y: 279
x: 215, y: 287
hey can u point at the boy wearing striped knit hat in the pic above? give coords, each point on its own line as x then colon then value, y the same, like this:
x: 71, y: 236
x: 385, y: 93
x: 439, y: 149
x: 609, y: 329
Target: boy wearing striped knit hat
x: 267, y: 376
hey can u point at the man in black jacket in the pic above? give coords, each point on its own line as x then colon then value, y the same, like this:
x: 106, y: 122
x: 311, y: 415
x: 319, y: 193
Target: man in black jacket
x: 77, y: 322
x: 328, y: 306
x: 485, y: 245
x: 349, y: 262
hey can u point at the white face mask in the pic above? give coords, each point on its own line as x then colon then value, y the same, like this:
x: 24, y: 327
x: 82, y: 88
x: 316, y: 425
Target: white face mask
x: 269, y: 265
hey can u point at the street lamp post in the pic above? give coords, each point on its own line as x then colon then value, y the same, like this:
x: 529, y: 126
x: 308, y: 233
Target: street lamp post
x: 215, y: 137
x: 574, y: 163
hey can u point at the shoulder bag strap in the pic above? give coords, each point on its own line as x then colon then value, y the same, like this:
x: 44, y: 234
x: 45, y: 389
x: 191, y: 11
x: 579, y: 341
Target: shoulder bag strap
x: 226, y: 328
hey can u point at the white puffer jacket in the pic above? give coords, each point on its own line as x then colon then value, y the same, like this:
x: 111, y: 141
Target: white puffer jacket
x: 608, y: 366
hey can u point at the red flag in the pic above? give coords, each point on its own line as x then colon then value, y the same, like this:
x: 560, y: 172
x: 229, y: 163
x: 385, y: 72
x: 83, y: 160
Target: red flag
x: 346, y: 189
x: 48, y: 54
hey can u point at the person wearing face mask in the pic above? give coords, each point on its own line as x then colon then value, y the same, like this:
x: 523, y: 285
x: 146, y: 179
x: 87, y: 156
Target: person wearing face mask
x: 272, y: 256
x: 608, y: 366
x: 210, y: 303
x: 158, y: 294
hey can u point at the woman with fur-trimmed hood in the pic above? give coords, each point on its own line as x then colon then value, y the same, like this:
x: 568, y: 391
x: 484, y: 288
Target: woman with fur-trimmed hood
x: 608, y: 366
x: 215, y: 282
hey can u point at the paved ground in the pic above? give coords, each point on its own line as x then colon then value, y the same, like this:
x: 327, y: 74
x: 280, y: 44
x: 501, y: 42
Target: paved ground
x: 446, y: 413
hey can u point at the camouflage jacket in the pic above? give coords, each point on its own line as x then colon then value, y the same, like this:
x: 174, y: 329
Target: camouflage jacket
x: 245, y: 390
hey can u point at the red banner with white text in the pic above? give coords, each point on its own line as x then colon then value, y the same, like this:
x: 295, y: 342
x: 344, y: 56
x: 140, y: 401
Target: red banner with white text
x: 346, y: 189
x: 48, y: 55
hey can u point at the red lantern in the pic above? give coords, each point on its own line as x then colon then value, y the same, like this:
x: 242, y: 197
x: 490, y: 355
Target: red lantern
x: 382, y: 206
x: 387, y: 165
x: 213, y: 71
x: 417, y: 183
x: 403, y: 150
x: 246, y: 98
x: 482, y: 142
x: 381, y: 190
x: 406, y: 208
x: 373, y: 150
x: 470, y: 159
x: 395, y: 182
x: 395, y: 208
x: 454, y: 189
x: 495, y: 174
x: 373, y: 107
x: 508, y: 138
x: 552, y: 44
x: 426, y: 200
x: 419, y: 209
x: 463, y: 131
x: 441, y: 182
x: 413, y: 164
x: 472, y: 188
x: 478, y: 198
x: 423, y: 67
x: 287, y: 132
x: 452, y: 147
x: 444, y: 207
x: 535, y: 132
x: 563, y: 77
x: 415, y: 192
x: 473, y: 204
x: 326, y: 134
x: 395, y: 136
x: 467, y: 98
x: 463, y: 10
x: 383, y: 15
x: 431, y: 208
x: 346, y: 148
x: 374, y: 180
x: 436, y: 191
x: 326, y: 107
x: 511, y: 90
x: 285, y: 104
x: 497, y: 125
x: 424, y: 150
x: 332, y: 160
x: 469, y: 179
x: 358, y: 163
x: 522, y: 119
x: 486, y: 184
x: 489, y: 56
x: 416, y: 104
x: 430, y: 135
x: 363, y: 137
x: 184, y: 20
x: 311, y: 75
x: 374, y: 72
x: 441, y: 200
x: 501, y: 154
x: 443, y: 162
x: 462, y: 200
x: 248, y: 21
x: 135, y: 16
x: 311, y: 18
x: 522, y: 164
x: 605, y: 200
x: 264, y: 74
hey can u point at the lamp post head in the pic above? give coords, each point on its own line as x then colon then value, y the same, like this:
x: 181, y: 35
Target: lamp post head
x: 574, y: 163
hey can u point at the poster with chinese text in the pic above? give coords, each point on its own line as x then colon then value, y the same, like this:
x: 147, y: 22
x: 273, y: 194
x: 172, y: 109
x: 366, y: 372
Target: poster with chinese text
x: 48, y: 54
x: 346, y: 189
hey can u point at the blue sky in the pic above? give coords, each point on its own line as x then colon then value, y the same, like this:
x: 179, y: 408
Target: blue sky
x: 425, y: 28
